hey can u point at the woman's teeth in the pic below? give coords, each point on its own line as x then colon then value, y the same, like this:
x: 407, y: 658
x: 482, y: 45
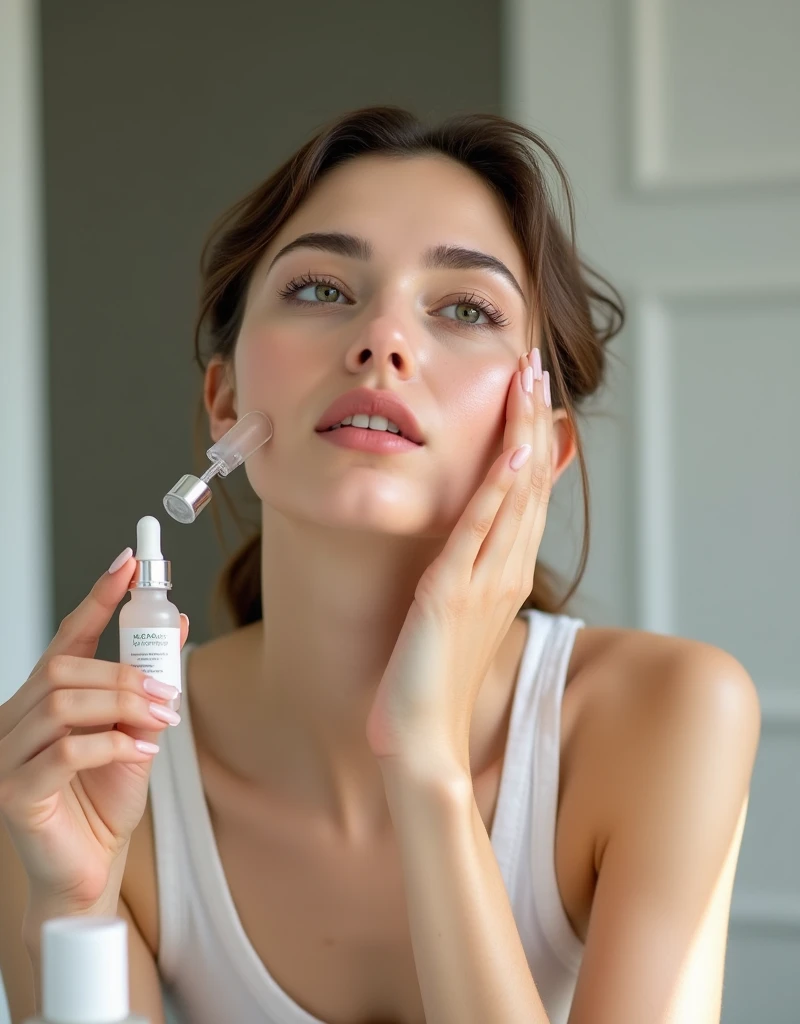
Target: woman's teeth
x: 372, y: 422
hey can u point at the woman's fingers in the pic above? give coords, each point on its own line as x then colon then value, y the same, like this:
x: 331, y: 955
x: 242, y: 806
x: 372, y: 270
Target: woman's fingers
x: 54, y: 768
x: 538, y: 478
x: 464, y: 553
x: 63, y: 710
x: 66, y: 671
x: 508, y: 506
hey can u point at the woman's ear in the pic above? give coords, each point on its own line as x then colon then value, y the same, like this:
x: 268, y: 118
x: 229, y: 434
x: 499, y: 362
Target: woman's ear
x: 564, y: 447
x: 219, y: 395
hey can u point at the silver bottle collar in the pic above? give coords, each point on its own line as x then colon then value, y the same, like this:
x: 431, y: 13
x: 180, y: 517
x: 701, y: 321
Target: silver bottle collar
x: 152, y: 572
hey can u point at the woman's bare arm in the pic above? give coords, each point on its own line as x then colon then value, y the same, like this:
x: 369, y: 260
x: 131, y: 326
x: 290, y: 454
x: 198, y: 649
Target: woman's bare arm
x: 19, y: 962
x: 679, y: 769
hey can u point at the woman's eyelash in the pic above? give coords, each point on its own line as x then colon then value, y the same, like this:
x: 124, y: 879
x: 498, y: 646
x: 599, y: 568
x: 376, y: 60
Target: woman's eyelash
x: 493, y: 313
x: 298, y: 283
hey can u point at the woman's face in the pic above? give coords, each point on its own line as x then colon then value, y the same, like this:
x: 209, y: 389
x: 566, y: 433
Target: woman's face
x: 388, y: 322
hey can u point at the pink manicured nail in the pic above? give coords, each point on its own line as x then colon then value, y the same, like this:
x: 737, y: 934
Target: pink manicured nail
x: 520, y: 456
x: 546, y: 386
x: 164, y: 714
x: 145, y: 747
x: 527, y: 380
x: 120, y: 560
x: 158, y: 689
x: 537, y: 364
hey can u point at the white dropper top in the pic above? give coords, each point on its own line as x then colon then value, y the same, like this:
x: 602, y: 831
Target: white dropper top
x: 152, y: 569
x: 85, y: 970
x: 148, y: 539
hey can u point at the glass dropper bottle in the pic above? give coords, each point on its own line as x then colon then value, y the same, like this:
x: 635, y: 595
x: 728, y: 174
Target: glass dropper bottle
x: 190, y: 495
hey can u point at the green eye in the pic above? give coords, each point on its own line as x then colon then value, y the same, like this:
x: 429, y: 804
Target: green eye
x: 323, y: 292
x: 472, y: 312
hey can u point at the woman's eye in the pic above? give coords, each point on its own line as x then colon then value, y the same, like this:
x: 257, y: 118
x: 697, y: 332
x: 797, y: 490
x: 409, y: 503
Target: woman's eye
x: 323, y: 292
x: 467, y: 313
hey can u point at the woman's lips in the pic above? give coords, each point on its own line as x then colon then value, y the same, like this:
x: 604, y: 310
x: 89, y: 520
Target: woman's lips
x: 366, y: 440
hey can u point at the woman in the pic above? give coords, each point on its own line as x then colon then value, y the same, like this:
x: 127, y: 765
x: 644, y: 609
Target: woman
x: 408, y: 786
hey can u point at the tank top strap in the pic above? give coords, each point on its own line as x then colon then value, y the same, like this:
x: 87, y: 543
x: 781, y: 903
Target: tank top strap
x: 545, y: 741
x: 514, y: 787
x: 171, y: 856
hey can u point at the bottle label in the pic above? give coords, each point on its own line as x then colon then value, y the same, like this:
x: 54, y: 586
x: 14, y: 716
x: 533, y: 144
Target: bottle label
x: 154, y: 651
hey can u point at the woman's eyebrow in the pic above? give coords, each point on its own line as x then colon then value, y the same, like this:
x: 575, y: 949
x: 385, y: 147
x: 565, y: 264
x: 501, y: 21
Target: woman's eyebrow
x: 446, y: 257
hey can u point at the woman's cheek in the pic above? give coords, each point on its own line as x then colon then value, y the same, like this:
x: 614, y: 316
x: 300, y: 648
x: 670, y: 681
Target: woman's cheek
x: 478, y: 403
x: 266, y: 369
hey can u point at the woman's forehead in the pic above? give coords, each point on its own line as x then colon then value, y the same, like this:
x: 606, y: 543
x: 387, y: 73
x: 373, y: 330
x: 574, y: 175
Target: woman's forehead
x: 405, y: 207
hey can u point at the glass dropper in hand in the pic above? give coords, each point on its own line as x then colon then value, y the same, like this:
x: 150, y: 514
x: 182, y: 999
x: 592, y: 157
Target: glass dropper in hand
x: 190, y: 495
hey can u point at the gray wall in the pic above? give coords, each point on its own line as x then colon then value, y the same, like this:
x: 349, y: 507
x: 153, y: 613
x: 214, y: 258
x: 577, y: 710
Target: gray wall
x: 156, y: 117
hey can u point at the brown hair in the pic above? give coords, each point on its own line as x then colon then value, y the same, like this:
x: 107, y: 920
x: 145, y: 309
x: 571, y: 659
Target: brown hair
x: 577, y: 319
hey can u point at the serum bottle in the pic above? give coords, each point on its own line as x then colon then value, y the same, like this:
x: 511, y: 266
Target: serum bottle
x: 150, y: 624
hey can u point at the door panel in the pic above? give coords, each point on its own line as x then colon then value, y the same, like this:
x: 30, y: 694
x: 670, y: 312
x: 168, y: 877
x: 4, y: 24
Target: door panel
x: 677, y: 124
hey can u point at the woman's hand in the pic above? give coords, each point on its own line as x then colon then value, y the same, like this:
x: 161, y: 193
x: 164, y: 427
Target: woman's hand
x: 73, y: 784
x: 467, y: 599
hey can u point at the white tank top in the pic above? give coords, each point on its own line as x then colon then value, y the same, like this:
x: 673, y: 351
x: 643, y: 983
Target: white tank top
x: 209, y: 969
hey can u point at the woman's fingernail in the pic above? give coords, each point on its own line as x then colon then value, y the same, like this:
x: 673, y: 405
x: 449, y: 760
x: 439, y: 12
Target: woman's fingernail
x: 165, y: 714
x: 537, y: 364
x: 527, y: 380
x: 120, y: 560
x: 185, y: 616
x: 520, y: 456
x: 158, y: 689
x: 145, y: 747
x: 546, y: 386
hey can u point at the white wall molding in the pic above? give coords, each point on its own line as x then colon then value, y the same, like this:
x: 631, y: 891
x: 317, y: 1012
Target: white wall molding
x: 654, y: 543
x: 784, y: 284
x: 766, y: 913
x: 654, y: 167
x: 780, y: 708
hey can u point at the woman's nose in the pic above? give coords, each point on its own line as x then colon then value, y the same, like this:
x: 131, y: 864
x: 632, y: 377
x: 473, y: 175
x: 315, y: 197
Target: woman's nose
x: 385, y: 339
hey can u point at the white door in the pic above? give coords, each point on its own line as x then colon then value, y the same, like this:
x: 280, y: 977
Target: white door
x: 678, y: 122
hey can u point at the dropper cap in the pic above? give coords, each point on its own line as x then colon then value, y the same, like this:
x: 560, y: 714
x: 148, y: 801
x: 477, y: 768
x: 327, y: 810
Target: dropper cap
x: 152, y: 569
x: 190, y: 495
x: 85, y: 970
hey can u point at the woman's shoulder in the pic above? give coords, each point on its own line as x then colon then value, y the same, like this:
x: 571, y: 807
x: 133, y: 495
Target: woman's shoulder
x: 637, y: 702
x: 637, y: 667
x: 629, y: 678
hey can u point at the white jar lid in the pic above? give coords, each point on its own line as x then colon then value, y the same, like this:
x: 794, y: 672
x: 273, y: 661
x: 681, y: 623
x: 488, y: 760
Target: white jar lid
x: 85, y: 970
